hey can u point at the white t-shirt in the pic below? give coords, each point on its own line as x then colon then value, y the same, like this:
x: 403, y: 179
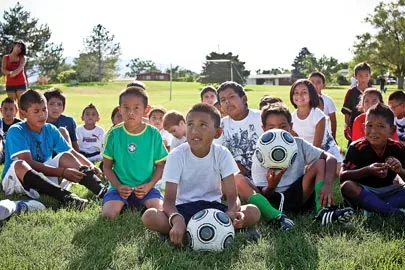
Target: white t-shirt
x: 329, y: 143
x: 240, y: 136
x: 176, y: 142
x: 305, y: 128
x: 198, y: 178
x: 307, y: 154
x: 166, y: 136
x: 90, y: 141
x: 328, y: 105
x: 400, y: 123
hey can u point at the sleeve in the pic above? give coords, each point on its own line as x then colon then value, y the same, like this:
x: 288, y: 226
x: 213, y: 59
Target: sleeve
x: 357, y: 129
x: 311, y: 153
x: 108, y: 151
x: 72, y: 130
x: 318, y: 115
x: 330, y: 106
x: 227, y: 164
x: 173, y: 167
x: 347, y: 104
x: 258, y: 173
x: 160, y: 149
x: 60, y: 144
x: 349, y: 162
x: 16, y: 142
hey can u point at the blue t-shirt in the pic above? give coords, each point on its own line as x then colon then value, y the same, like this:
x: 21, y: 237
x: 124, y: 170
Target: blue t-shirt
x: 67, y: 122
x: 21, y: 139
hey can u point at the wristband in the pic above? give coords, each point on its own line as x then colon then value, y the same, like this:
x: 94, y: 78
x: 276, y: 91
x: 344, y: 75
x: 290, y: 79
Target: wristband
x: 172, y: 216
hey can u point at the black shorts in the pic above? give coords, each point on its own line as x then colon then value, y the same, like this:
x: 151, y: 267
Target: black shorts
x: 293, y: 199
x: 14, y: 88
x: 187, y: 210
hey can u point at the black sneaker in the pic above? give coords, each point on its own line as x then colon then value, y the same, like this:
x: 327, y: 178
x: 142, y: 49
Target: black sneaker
x: 74, y: 201
x: 252, y: 233
x: 286, y: 223
x: 333, y: 214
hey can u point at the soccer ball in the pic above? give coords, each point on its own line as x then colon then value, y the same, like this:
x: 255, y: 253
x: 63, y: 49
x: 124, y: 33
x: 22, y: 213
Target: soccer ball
x: 210, y: 230
x: 276, y: 149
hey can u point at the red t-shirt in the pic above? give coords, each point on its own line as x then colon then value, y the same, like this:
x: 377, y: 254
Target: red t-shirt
x: 20, y: 78
x: 358, y: 128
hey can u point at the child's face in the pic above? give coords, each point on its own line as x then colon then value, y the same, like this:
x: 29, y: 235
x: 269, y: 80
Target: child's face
x: 377, y: 130
x: 369, y: 101
x: 179, y: 130
x: 90, y: 117
x: 36, y: 116
x: 117, y: 118
x: 9, y: 111
x: 200, y: 131
x: 132, y: 109
x: 55, y: 107
x: 319, y: 85
x: 277, y: 121
x: 397, y: 107
x: 363, y: 77
x: 156, y: 119
x: 301, y: 95
x: 209, y: 98
x: 232, y: 104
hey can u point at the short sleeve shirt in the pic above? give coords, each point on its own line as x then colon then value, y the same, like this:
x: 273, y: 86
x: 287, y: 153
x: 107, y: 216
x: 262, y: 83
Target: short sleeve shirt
x: 305, y: 128
x: 350, y: 103
x: 329, y: 106
x: 69, y: 123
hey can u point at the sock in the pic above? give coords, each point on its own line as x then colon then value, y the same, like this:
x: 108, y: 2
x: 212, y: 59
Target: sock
x: 372, y: 203
x: 40, y: 183
x: 266, y: 209
x: 92, y: 182
x: 318, y: 186
x: 397, y: 200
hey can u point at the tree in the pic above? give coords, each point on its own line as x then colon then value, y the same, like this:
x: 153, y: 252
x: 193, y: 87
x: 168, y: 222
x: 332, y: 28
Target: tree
x: 220, y: 71
x: 50, y: 60
x: 86, y: 67
x: 101, y: 47
x: 299, y: 64
x: 181, y: 74
x: 18, y: 24
x: 274, y: 71
x: 138, y: 66
x: 385, y: 47
x: 327, y: 65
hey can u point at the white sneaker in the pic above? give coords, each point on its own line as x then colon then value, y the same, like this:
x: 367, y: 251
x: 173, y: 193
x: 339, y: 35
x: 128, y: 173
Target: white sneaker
x: 7, y: 208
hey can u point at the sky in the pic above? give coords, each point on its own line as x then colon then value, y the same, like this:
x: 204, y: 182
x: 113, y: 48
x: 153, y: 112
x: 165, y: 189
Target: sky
x: 265, y: 34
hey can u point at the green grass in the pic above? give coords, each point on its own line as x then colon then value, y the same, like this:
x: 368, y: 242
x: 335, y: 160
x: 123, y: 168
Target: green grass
x: 64, y: 239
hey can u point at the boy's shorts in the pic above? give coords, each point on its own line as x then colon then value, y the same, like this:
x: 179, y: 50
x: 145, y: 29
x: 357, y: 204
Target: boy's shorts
x: 293, y: 200
x: 187, y: 210
x: 11, y: 184
x: 132, y: 200
x: 14, y: 88
x: 385, y: 192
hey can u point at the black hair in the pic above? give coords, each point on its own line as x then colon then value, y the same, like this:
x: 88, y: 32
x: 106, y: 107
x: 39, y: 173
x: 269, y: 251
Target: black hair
x: 137, y: 84
x: 7, y: 100
x: 90, y: 106
x: 397, y: 95
x: 369, y: 91
x: 384, y: 111
x: 136, y: 91
x: 30, y: 97
x: 267, y: 100
x: 318, y: 74
x: 313, y: 95
x: 206, y: 90
x: 23, y: 47
x: 156, y: 109
x: 55, y: 93
x: 362, y: 66
x: 114, y: 112
x: 208, y: 109
x: 277, y: 109
x: 234, y: 86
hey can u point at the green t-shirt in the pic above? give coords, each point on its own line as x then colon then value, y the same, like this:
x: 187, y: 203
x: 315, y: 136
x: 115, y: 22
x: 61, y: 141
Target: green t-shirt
x: 134, y: 155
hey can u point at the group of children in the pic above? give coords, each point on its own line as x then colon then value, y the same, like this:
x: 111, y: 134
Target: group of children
x: 206, y: 159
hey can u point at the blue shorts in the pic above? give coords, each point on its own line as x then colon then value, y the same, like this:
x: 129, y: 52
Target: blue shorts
x: 187, y: 210
x: 14, y: 88
x: 132, y: 200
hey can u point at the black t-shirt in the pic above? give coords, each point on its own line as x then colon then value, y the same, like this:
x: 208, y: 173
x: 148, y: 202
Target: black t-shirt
x: 6, y: 127
x: 360, y: 154
x: 350, y: 103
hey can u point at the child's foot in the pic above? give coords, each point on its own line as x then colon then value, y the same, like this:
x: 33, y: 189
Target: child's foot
x: 7, y: 208
x: 28, y: 205
x: 333, y: 214
x: 74, y: 201
x: 286, y: 223
x: 252, y: 233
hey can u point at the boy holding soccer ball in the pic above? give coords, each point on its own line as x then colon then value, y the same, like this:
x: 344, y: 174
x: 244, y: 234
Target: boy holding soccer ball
x: 293, y: 189
x: 197, y: 174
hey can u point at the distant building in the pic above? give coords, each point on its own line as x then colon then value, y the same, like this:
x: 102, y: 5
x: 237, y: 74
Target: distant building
x: 153, y: 76
x: 269, y: 79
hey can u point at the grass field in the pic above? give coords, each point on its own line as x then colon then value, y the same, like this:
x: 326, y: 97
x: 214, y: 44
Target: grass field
x: 64, y: 239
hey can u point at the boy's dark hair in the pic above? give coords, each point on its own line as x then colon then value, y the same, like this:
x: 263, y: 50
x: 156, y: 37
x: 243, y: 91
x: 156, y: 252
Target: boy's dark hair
x: 317, y: 74
x: 369, y: 91
x: 55, y: 93
x: 114, y: 112
x: 206, y: 90
x: 277, y: 109
x: 208, y: 109
x: 234, y: 86
x: 30, y: 97
x: 136, y: 91
x: 156, y: 109
x: 23, y: 47
x: 90, y: 106
x: 313, y: 95
x: 7, y: 100
x: 172, y: 118
x: 397, y: 95
x: 384, y: 111
x: 267, y: 100
x: 137, y: 84
x: 362, y: 66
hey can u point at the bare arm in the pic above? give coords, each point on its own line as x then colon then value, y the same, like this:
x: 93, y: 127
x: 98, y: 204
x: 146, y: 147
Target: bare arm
x: 4, y: 66
x: 330, y: 167
x: 169, y: 207
x: 75, y: 146
x: 230, y: 193
x: 319, y: 133
x: 333, y: 123
x: 347, y: 120
x: 157, y: 174
x: 353, y: 174
x: 273, y: 179
x: 20, y: 66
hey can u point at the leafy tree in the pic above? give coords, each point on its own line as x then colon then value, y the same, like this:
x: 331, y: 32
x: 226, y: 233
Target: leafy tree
x: 216, y: 70
x: 182, y: 75
x: 86, y: 67
x: 274, y: 71
x: 327, y: 65
x: 50, y: 60
x: 299, y: 64
x: 385, y: 47
x: 138, y: 66
x: 100, y: 47
x: 18, y: 24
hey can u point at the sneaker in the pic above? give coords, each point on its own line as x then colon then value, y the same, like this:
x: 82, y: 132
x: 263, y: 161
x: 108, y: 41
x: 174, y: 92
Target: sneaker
x: 7, y: 208
x: 74, y: 201
x: 163, y: 237
x: 333, y: 214
x: 252, y: 233
x: 286, y: 223
x: 28, y: 205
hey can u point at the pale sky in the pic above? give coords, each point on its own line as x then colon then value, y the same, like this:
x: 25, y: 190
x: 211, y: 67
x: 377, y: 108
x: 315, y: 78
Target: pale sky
x: 265, y: 34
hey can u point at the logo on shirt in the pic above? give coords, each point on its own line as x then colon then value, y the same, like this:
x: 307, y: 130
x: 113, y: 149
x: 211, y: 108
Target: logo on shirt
x: 131, y: 147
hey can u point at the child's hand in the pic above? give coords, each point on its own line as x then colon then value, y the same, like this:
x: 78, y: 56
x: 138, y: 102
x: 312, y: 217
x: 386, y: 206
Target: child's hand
x: 142, y: 190
x: 97, y: 171
x: 237, y: 219
x: 125, y: 191
x: 348, y: 133
x: 177, y: 232
x: 378, y: 169
x: 274, y: 177
x: 394, y: 164
x: 73, y: 175
x: 326, y: 195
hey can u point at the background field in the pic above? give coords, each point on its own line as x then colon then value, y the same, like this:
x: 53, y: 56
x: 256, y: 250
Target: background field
x: 63, y: 239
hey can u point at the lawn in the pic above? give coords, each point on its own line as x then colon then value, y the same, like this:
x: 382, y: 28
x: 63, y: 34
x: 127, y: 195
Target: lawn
x: 65, y: 239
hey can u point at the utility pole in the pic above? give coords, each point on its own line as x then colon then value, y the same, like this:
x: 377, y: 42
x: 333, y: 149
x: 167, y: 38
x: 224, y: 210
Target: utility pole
x: 171, y: 79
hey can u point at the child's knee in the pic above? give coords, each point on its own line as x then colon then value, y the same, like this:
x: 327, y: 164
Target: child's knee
x: 21, y: 167
x: 350, y: 189
x: 149, y: 217
x: 110, y: 213
x: 252, y: 213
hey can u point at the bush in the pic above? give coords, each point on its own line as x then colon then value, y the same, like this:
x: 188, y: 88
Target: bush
x: 67, y: 76
x: 341, y: 80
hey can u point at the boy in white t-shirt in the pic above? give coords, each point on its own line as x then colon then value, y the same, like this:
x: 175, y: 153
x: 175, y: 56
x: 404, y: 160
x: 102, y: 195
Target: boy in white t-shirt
x: 197, y: 174
x: 396, y: 102
x: 156, y: 119
x: 90, y: 137
x: 174, y: 122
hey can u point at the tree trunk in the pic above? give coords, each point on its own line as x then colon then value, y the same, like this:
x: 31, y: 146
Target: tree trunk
x: 401, y: 82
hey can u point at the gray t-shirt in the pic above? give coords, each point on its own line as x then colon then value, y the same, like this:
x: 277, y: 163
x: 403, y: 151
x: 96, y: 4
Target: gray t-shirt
x: 307, y: 153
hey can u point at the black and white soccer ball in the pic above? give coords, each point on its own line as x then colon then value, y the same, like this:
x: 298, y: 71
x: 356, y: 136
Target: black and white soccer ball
x: 276, y: 149
x: 210, y: 230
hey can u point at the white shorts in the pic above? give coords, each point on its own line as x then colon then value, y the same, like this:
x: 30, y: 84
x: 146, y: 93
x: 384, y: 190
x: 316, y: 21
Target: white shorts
x: 11, y: 184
